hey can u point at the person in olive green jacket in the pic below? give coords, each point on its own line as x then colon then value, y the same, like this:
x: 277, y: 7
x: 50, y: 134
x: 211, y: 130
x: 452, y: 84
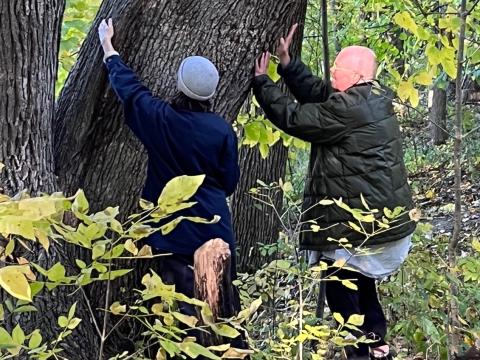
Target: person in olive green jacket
x: 356, y: 155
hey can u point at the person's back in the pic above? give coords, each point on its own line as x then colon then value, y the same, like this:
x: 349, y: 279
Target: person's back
x: 192, y: 143
x: 181, y: 137
x: 356, y: 156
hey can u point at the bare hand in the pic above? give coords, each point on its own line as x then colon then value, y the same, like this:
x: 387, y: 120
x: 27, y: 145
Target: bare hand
x: 283, y: 50
x: 105, y: 31
x: 261, y: 64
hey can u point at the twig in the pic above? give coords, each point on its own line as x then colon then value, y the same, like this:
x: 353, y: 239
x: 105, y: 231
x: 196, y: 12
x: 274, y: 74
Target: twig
x: 472, y: 8
x: 91, y: 311
x: 106, y: 315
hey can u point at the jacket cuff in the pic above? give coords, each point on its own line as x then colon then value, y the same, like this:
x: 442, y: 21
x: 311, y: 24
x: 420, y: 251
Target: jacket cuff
x: 259, y: 81
x: 285, y: 71
x: 109, y: 54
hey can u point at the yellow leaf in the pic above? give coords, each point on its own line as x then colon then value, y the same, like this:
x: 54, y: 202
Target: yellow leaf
x: 234, y: 353
x: 430, y: 194
x: 424, y: 78
x: 13, y: 281
x: 130, y: 247
x: 145, y: 251
x: 476, y: 244
x: 315, y: 228
x: 180, y: 189
x: 355, y: 227
x: 339, y: 263
x: 339, y: 318
x: 169, y: 227
x: 42, y: 238
x: 349, y: 284
x: 116, y: 308
x: 2, y: 166
x: 326, y: 202
x: 356, y: 319
x: 10, y: 247
x: 364, y: 203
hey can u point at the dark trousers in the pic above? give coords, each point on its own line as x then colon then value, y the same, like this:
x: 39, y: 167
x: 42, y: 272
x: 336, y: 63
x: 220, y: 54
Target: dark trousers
x: 363, y: 301
x: 177, y: 269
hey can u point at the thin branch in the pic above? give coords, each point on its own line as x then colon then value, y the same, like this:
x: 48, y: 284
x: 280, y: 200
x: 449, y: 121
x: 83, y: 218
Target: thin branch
x: 91, y: 311
x: 471, y: 131
x: 473, y: 7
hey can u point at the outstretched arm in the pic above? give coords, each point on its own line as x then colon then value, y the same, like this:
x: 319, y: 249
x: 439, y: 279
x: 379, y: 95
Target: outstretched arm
x: 143, y: 111
x: 306, y: 87
x: 313, y: 122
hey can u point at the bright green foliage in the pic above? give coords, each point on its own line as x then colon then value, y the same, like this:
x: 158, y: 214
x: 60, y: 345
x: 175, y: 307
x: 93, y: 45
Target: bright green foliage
x: 77, y: 21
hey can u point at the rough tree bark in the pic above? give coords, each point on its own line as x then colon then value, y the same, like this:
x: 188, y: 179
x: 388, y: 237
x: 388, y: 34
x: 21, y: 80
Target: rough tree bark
x: 93, y: 148
x: 255, y: 225
x: 260, y: 225
x: 29, y: 37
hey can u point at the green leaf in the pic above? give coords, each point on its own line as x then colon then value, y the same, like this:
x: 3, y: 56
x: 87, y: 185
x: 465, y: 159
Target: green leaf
x: 98, y: 251
x: 194, y: 350
x: 18, y: 336
x: 74, y: 323
x: 56, y: 272
x: 80, y: 204
x: 35, y: 339
x: 190, y: 321
x: 24, y: 309
x: 272, y: 70
x: 62, y: 321
x: 226, y: 330
x: 170, y: 347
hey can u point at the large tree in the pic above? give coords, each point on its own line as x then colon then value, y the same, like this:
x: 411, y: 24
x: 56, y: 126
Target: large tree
x: 94, y: 150
x: 29, y: 37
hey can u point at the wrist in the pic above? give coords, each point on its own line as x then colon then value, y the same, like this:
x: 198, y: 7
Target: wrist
x: 285, y: 60
x: 107, y: 45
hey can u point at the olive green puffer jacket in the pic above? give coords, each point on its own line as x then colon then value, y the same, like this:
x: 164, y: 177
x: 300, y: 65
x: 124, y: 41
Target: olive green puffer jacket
x: 356, y: 148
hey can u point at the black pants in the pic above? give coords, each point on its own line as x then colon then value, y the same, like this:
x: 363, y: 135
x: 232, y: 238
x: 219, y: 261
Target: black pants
x: 363, y: 301
x: 177, y: 269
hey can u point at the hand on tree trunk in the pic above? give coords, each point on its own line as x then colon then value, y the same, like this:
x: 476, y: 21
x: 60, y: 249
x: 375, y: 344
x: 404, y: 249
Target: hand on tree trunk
x: 105, y: 33
x: 283, y: 50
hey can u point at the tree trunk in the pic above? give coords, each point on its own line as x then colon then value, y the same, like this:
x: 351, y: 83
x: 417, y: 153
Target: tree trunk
x: 94, y: 150
x: 254, y: 223
x: 454, y: 335
x: 30, y: 34
x: 438, y: 116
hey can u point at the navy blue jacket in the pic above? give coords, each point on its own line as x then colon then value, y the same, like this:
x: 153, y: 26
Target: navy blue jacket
x: 181, y: 143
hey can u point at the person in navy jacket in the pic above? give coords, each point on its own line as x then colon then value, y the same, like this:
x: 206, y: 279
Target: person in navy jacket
x: 181, y: 137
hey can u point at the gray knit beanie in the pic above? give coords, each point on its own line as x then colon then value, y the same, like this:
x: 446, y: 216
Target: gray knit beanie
x: 197, y: 78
